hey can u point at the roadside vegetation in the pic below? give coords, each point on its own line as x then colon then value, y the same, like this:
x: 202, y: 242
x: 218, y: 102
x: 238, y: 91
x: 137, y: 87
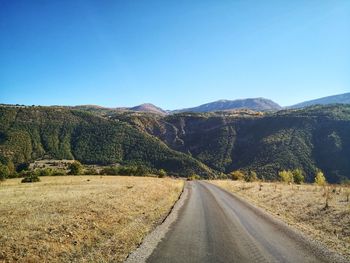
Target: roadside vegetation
x: 80, y: 218
x: 32, y: 172
x: 320, y: 210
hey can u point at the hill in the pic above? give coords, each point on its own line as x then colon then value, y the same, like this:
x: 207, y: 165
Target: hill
x: 30, y: 133
x: 336, y: 99
x: 256, y: 104
x: 312, y: 138
x: 148, y: 107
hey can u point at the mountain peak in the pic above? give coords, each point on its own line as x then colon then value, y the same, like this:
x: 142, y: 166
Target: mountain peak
x: 256, y: 104
x: 148, y: 107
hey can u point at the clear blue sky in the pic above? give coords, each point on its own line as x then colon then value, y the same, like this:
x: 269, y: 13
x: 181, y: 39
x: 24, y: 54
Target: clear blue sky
x: 174, y: 54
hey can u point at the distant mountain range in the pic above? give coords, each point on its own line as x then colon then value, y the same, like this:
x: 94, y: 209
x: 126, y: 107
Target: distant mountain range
x: 336, y: 99
x: 255, y: 104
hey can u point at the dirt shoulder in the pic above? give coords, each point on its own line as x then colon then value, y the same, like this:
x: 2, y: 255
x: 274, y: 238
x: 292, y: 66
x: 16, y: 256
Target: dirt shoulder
x: 302, y: 207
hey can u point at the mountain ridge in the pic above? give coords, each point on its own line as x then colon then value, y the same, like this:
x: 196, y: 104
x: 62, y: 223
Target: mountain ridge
x: 257, y: 104
x: 334, y: 99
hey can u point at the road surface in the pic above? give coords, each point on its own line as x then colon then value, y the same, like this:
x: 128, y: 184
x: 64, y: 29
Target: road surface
x: 215, y: 226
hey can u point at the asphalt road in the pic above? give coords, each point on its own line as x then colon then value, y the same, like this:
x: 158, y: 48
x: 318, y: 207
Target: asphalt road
x: 215, y: 226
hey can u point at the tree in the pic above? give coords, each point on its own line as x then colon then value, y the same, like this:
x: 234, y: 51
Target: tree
x: 75, y: 168
x: 4, y: 172
x: 30, y: 177
x: 237, y: 175
x: 298, y: 176
x: 141, y: 170
x: 162, y: 173
x: 320, y: 179
x: 286, y: 176
x: 251, y: 177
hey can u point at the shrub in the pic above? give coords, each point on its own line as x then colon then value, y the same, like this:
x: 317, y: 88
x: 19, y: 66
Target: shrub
x: 162, y: 173
x: 193, y: 177
x: 31, y: 177
x: 44, y: 172
x: 320, y: 179
x: 298, y: 176
x: 222, y: 176
x: 237, y: 175
x: 91, y: 171
x: 58, y: 172
x: 13, y: 175
x: 4, y: 172
x: 141, y: 170
x: 251, y: 177
x: 75, y: 168
x: 286, y: 176
x: 110, y: 170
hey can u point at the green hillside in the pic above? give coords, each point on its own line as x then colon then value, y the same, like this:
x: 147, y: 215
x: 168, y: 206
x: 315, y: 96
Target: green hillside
x: 312, y: 138
x: 30, y: 133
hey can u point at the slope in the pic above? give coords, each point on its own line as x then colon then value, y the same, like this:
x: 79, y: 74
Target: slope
x: 29, y: 133
x: 336, y: 99
x: 312, y: 138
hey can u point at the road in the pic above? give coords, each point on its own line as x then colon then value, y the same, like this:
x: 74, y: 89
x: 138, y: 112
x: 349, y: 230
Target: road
x: 215, y: 226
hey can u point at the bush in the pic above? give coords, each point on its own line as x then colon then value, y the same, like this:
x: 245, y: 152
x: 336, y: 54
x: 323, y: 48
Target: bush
x: 193, y: 177
x: 127, y: 170
x: 298, y: 176
x: 4, y: 172
x: 75, y: 168
x: 320, y: 179
x: 237, y: 175
x: 286, y: 176
x: 142, y: 170
x: 110, y: 171
x: 91, y: 171
x: 31, y: 177
x: 13, y: 175
x: 58, y: 172
x: 162, y: 173
x: 251, y: 177
x: 44, y: 172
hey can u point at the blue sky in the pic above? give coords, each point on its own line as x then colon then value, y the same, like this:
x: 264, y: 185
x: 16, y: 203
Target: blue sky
x: 174, y: 54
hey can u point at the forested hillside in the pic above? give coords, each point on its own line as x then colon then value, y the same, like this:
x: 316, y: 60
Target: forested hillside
x: 311, y: 139
x: 30, y: 133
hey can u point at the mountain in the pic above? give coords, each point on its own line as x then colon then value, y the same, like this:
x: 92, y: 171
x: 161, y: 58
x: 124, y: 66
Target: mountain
x: 256, y: 104
x: 336, y: 99
x: 148, y: 107
x: 312, y: 138
x: 207, y: 144
x: 31, y: 133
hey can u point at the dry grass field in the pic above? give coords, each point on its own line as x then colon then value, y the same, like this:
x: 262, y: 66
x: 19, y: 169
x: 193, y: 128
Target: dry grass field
x: 303, y: 206
x: 80, y: 218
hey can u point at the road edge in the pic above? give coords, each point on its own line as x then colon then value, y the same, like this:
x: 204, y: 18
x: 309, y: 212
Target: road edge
x: 150, y: 242
x: 314, y: 245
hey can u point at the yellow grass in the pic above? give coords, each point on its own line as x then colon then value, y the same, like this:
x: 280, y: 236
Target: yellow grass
x: 80, y: 218
x: 303, y: 206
